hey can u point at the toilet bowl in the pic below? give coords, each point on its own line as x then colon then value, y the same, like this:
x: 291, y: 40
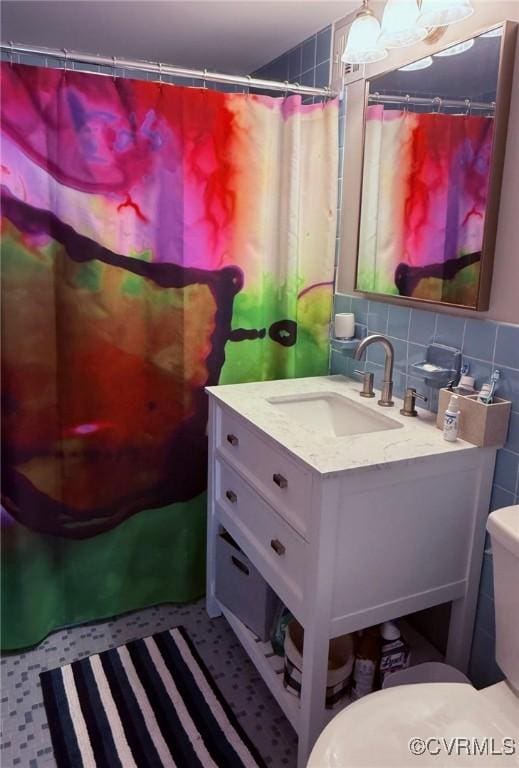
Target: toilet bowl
x: 442, y: 724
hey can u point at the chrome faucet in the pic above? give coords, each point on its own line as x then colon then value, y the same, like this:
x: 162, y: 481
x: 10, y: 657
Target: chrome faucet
x: 387, y: 384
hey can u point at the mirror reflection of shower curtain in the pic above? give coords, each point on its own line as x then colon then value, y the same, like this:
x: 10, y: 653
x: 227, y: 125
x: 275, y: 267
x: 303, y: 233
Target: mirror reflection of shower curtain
x: 156, y: 239
x: 424, y: 194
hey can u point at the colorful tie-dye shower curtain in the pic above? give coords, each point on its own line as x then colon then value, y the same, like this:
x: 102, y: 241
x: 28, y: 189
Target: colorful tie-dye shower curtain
x: 424, y: 194
x: 155, y: 239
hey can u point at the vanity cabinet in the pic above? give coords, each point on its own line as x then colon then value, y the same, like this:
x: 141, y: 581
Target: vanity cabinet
x: 344, y: 547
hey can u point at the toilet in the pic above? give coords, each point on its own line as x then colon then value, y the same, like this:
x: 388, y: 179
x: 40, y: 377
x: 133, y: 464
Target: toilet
x: 417, y: 724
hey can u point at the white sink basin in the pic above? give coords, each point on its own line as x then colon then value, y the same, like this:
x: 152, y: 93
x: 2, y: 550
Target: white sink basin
x: 332, y: 414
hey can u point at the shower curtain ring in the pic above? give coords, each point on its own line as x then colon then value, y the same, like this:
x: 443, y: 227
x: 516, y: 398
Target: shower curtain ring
x: 286, y: 88
x: 438, y: 101
x: 406, y: 107
x: 11, y: 53
x: 467, y: 104
x: 249, y: 78
x: 160, y: 72
x: 204, y: 84
x: 65, y: 68
x: 113, y: 65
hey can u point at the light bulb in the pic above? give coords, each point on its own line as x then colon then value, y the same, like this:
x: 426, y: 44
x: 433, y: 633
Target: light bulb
x: 362, y: 46
x: 497, y: 32
x: 439, y: 13
x: 399, y: 24
x: 455, y: 49
x: 420, y: 64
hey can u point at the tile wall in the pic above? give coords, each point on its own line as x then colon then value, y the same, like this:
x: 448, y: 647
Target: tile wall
x: 307, y: 63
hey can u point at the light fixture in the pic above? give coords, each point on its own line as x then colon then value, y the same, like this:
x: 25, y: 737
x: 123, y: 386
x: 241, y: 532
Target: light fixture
x: 455, y: 49
x: 362, y: 46
x: 439, y: 13
x: 399, y: 24
x: 420, y: 64
x: 404, y: 22
x: 496, y: 32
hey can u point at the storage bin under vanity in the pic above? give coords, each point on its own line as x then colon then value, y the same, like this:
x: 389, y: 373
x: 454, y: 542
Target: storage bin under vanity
x: 480, y: 424
x: 242, y: 589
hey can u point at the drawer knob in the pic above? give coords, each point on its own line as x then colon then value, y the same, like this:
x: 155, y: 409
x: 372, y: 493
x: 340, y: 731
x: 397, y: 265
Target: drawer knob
x: 278, y: 547
x: 231, y: 496
x: 232, y: 439
x: 280, y: 480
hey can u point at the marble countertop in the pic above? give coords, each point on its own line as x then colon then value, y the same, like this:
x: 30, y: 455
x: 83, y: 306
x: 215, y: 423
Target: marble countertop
x: 328, y: 454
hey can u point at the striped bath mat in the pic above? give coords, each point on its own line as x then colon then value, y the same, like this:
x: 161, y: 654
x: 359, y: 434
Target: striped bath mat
x: 148, y: 704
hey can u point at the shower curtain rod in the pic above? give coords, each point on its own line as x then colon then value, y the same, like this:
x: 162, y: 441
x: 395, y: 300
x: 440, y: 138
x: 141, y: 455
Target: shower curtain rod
x: 380, y: 98
x: 167, y: 69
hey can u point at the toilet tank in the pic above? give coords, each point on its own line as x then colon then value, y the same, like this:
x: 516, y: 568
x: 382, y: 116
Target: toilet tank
x: 503, y: 526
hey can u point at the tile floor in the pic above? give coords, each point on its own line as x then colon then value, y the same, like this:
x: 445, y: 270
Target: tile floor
x: 25, y: 740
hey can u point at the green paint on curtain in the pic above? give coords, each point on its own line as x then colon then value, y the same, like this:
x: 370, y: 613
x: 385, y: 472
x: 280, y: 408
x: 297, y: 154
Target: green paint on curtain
x: 94, y: 575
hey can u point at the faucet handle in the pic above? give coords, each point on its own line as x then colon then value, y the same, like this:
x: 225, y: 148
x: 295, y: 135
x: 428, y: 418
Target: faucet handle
x: 367, y: 383
x: 409, y: 402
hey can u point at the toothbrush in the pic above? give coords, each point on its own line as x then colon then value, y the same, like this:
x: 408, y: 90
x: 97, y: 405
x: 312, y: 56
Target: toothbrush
x: 490, y: 388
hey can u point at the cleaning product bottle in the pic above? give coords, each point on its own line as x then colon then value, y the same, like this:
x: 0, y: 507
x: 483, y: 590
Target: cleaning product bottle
x: 451, y: 420
x: 394, y: 653
x: 367, y: 658
x: 282, y: 619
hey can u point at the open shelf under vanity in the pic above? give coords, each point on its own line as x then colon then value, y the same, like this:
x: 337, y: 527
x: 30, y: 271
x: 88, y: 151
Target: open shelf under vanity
x: 271, y: 666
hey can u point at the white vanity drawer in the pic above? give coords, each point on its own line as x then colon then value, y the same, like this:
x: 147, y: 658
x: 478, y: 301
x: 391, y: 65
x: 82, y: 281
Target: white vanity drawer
x: 285, y: 484
x: 277, y: 551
